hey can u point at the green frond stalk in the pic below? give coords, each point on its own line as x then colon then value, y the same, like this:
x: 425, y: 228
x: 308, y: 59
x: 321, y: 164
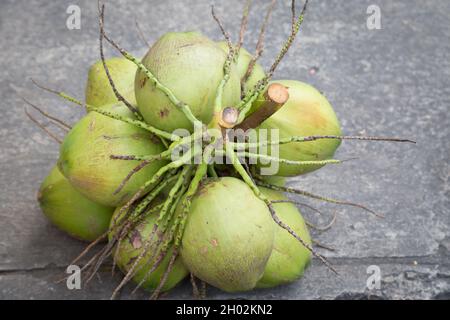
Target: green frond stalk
x: 249, y: 181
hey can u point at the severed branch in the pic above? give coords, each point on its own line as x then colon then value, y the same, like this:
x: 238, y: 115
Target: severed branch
x: 275, y: 97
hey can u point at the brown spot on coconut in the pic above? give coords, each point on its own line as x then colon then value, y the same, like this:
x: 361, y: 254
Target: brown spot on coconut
x: 163, y: 113
x: 192, y: 75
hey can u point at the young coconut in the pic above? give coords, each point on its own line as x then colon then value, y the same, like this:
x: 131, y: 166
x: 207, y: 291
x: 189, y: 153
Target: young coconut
x: 85, y: 156
x: 70, y: 211
x: 242, y: 65
x: 306, y: 113
x: 98, y: 89
x: 289, y: 257
x: 228, y: 236
x: 132, y: 246
x: 191, y: 66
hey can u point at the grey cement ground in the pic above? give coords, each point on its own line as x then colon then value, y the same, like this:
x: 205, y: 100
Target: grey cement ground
x: 393, y: 81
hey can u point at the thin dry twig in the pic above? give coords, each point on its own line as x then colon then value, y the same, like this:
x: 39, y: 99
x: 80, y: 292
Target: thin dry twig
x: 53, y: 119
x: 140, y: 33
x: 294, y: 30
x: 121, y: 98
x: 49, y: 133
x: 259, y: 44
x: 244, y: 24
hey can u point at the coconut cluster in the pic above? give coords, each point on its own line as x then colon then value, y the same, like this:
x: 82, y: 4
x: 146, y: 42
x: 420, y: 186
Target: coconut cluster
x: 167, y: 208
x: 230, y: 240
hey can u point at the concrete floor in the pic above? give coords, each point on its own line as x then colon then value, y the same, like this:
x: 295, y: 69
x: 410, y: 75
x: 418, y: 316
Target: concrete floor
x: 393, y: 81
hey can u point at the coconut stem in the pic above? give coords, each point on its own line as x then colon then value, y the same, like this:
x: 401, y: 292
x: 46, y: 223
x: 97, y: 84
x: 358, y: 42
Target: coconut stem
x: 164, y: 218
x: 249, y: 181
x: 185, y: 159
x: 140, y: 32
x: 36, y: 122
x: 137, y: 123
x: 290, y: 162
x: 257, y: 156
x: 252, y: 95
x: 318, y: 197
x: 296, y: 23
x: 163, y: 280
x: 146, y: 160
x: 244, y: 23
x: 152, y: 195
x: 322, y: 245
x: 101, y: 22
x: 195, y: 290
x: 169, y: 237
x: 212, y: 171
x: 61, y: 124
x: 61, y: 94
x: 245, y: 145
x: 259, y: 44
x: 226, y: 66
x: 300, y: 204
x: 200, y: 173
x: 185, y: 108
x: 275, y: 97
x: 325, y: 227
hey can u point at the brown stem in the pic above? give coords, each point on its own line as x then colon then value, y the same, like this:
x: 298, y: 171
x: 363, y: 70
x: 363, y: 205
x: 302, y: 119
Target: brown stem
x: 317, y: 197
x: 50, y: 134
x: 55, y: 120
x: 296, y: 236
x: 323, y: 246
x: 275, y: 97
x: 323, y: 228
x: 163, y: 280
x: 296, y: 22
x: 101, y: 21
x: 140, y: 33
x: 222, y: 29
x: 135, y: 170
x: 244, y: 23
x: 259, y: 44
x: 195, y: 290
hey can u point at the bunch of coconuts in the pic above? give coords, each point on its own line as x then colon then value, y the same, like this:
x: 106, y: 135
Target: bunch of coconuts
x: 153, y: 169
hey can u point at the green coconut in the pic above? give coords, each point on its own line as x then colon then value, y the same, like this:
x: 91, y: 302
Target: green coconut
x: 228, y: 236
x: 98, y: 89
x: 289, y: 257
x: 133, y: 245
x: 70, y: 211
x: 306, y: 113
x: 242, y: 65
x: 191, y: 66
x: 85, y: 156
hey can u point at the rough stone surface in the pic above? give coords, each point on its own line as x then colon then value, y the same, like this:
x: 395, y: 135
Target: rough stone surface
x: 393, y: 81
